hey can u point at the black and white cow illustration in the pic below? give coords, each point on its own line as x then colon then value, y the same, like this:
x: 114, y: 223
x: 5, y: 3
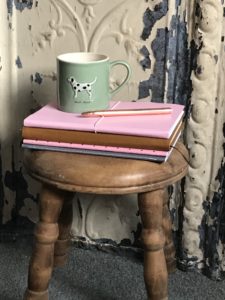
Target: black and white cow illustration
x: 80, y: 87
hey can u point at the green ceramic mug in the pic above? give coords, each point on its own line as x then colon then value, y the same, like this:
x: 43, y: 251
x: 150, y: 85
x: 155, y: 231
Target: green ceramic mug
x: 83, y: 81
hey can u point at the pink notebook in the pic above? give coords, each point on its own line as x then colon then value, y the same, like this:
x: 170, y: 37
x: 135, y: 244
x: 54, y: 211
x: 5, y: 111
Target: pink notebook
x: 142, y: 154
x: 160, y: 126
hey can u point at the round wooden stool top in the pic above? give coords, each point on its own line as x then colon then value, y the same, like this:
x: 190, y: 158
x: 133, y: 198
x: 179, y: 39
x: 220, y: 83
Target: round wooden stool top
x: 105, y: 175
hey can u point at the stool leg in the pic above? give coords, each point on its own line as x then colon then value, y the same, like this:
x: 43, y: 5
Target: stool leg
x: 169, y: 248
x: 65, y: 221
x: 46, y: 233
x: 155, y: 270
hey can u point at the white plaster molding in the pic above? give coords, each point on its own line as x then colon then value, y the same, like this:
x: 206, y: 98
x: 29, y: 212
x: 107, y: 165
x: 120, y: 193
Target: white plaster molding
x: 218, y: 159
x: 201, y: 125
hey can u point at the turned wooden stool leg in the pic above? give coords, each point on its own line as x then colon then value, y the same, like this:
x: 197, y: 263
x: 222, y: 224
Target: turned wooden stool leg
x: 169, y: 248
x: 46, y: 233
x: 155, y: 270
x: 65, y: 221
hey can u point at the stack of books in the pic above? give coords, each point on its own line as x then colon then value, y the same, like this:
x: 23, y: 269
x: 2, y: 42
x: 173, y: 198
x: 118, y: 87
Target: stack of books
x: 145, y: 137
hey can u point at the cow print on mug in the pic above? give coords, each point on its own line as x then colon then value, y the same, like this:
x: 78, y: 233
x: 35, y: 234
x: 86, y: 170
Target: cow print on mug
x: 79, y: 87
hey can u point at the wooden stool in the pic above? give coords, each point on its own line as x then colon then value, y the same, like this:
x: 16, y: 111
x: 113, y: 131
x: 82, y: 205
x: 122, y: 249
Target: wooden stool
x: 64, y: 173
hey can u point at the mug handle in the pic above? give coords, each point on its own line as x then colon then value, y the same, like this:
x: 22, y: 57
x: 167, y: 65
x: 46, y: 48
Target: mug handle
x: 126, y: 65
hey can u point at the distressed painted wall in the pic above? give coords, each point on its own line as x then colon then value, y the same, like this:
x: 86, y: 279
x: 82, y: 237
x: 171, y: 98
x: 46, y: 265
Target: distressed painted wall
x: 176, y: 51
x: 203, y: 213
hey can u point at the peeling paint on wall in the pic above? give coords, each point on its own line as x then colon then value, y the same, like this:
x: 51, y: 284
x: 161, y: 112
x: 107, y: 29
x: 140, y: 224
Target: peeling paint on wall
x: 204, y: 205
x: 9, y: 6
x: 37, y: 77
x: 214, y: 221
x: 22, y: 4
x: 19, y: 63
x: 155, y: 83
x: 15, y: 181
x: 146, y: 62
x: 214, y: 228
x: 175, y: 58
x: 1, y: 189
x: 19, y: 5
x: 151, y: 17
x: 179, y: 71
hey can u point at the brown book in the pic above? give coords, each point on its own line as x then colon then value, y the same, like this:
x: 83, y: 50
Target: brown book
x: 103, y: 139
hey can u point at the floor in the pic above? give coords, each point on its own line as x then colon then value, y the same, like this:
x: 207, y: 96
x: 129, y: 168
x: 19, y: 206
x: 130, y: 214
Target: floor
x: 96, y: 275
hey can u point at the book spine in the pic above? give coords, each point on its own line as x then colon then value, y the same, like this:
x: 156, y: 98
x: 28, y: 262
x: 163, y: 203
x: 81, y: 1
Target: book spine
x: 84, y: 137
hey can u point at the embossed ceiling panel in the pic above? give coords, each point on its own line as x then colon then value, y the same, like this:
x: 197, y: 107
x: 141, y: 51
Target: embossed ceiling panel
x: 53, y: 27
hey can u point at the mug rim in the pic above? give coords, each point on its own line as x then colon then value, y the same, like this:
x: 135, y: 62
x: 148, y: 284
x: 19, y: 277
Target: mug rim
x: 87, y: 58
